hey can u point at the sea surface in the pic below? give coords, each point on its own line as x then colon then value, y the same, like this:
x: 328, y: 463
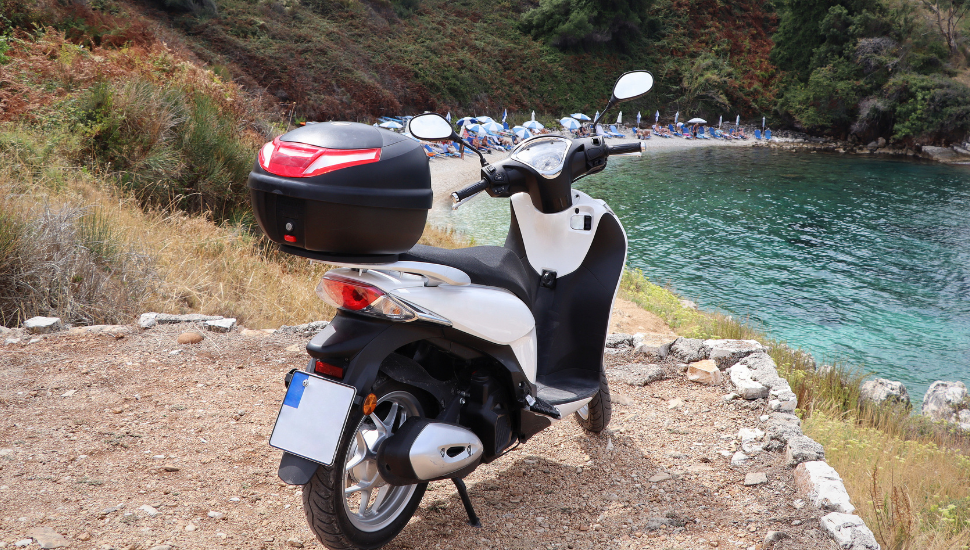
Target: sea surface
x: 857, y: 260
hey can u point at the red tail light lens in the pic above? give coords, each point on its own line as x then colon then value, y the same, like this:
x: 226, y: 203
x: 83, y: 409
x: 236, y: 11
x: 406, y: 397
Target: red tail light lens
x: 299, y: 160
x: 350, y: 295
x: 327, y: 369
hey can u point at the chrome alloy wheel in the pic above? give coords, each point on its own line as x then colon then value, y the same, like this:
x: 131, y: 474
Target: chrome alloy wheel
x: 583, y: 412
x: 371, y: 504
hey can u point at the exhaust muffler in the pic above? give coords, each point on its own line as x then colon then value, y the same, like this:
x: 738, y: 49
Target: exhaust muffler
x: 424, y: 450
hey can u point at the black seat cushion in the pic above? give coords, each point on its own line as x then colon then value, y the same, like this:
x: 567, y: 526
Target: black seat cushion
x: 485, y: 265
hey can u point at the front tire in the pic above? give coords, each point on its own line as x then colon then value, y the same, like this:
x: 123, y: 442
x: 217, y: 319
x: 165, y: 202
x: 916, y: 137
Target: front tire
x: 348, y: 505
x: 595, y: 416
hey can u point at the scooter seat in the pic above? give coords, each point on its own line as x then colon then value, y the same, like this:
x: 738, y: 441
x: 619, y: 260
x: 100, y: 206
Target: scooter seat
x: 485, y: 265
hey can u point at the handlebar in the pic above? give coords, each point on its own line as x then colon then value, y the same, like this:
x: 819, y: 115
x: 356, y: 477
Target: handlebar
x: 625, y: 148
x: 472, y: 189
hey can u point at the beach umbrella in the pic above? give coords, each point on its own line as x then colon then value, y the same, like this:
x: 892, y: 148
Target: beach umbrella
x: 505, y: 114
x: 697, y: 121
x: 762, y: 123
x: 580, y: 116
x: 570, y: 123
x: 534, y: 125
x: 720, y: 119
x: 522, y: 132
x: 391, y: 125
x: 466, y: 120
x: 656, y: 117
x: 737, y: 121
x: 533, y: 115
x: 619, y: 118
x: 676, y: 116
x: 484, y: 119
x: 448, y: 116
x: 596, y: 116
x: 492, y: 127
x: 638, y: 118
x: 476, y: 129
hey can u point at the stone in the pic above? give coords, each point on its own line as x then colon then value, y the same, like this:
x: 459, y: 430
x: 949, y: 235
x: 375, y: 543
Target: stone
x: 772, y: 537
x: 755, y: 478
x: 190, y: 338
x: 880, y: 390
x: 220, y: 325
x: 150, y: 511
x: 68, y: 393
x: 728, y: 352
x: 751, y: 439
x: 110, y: 510
x: 746, y: 386
x: 216, y: 515
x: 658, y: 477
x: 294, y: 543
x: 189, y: 527
x: 782, y: 427
x: 942, y: 154
x: 248, y: 332
x: 849, y: 531
x: 675, y: 403
x: 782, y: 399
x: 47, y: 537
x: 84, y: 537
x: 11, y: 341
x: 637, y: 374
x: 169, y: 319
x: 308, y: 329
x: 43, y: 325
x: 873, y: 145
x: 621, y: 399
x: 881, y: 142
x: 689, y: 350
x: 802, y: 448
x: 739, y: 459
x: 161, y: 547
x: 619, y: 340
x: 944, y: 400
x: 147, y: 320
x: 821, y: 485
x: 23, y: 543
x: 652, y: 348
x: 704, y: 372
x: 170, y: 468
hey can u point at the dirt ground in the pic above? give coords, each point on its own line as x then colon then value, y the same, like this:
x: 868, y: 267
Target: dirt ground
x: 137, y: 442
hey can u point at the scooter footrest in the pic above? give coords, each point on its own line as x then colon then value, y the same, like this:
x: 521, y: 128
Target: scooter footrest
x: 543, y: 407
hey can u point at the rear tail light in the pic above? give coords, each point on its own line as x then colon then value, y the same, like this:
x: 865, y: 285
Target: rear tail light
x: 362, y: 298
x: 299, y: 160
x: 327, y: 369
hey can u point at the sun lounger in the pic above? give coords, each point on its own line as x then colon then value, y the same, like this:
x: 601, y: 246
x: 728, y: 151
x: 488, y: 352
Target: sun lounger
x: 757, y: 134
x: 614, y: 132
x: 767, y: 134
x: 702, y: 134
x: 431, y: 152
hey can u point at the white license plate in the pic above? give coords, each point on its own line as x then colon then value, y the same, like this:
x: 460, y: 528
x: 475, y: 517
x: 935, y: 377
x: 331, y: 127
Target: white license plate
x: 312, y: 417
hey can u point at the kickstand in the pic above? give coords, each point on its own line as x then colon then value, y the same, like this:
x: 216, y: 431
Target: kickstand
x: 469, y: 509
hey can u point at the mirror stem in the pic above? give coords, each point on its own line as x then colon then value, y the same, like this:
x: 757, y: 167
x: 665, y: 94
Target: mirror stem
x: 609, y: 104
x: 457, y: 138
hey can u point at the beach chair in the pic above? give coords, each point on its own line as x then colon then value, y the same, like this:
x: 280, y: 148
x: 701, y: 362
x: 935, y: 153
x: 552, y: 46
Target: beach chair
x: 431, y: 152
x: 757, y: 135
x: 674, y: 130
x: 702, y: 134
x: 767, y: 134
x: 614, y: 132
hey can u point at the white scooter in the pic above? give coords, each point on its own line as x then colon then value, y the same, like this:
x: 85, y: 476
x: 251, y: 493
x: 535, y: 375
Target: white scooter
x: 447, y: 359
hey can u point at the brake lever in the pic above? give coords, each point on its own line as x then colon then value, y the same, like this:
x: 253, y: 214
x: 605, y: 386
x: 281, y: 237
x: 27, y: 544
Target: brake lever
x: 455, y: 203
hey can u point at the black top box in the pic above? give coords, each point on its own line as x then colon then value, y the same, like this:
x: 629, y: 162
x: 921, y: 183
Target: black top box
x: 342, y: 191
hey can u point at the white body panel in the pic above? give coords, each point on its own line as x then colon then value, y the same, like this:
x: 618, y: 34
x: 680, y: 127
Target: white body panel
x: 550, y: 241
x: 492, y: 314
x: 526, y: 352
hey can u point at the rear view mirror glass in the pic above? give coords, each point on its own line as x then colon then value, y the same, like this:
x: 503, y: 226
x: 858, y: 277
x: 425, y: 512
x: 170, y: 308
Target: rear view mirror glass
x: 632, y: 85
x: 430, y: 126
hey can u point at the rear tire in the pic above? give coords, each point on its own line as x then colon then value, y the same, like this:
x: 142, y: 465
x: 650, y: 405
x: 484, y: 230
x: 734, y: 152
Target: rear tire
x: 598, y: 411
x: 337, y: 517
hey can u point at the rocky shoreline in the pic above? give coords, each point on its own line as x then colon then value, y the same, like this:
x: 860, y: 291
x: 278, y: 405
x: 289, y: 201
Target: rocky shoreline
x: 793, y: 141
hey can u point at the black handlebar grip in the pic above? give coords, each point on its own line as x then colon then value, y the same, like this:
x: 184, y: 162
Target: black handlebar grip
x: 472, y: 189
x: 624, y: 148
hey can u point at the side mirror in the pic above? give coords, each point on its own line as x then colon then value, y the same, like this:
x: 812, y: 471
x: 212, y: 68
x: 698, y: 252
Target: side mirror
x: 431, y: 126
x: 632, y: 85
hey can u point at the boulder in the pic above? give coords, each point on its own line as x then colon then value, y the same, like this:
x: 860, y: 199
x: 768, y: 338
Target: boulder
x: 849, y: 532
x: 881, y: 142
x: 689, y: 350
x: 147, y: 320
x: 637, y: 374
x: 220, y: 325
x: 751, y: 439
x: 619, y: 340
x: 704, y: 372
x: 873, y: 145
x: 781, y: 428
x: 170, y: 319
x: 307, y: 329
x: 728, y: 352
x: 746, y: 386
x: 782, y: 399
x: 47, y: 537
x: 652, y: 347
x: 942, y: 154
x: 880, y: 390
x: 190, y: 338
x: 945, y: 401
x: 43, y: 325
x: 822, y: 486
x: 802, y: 448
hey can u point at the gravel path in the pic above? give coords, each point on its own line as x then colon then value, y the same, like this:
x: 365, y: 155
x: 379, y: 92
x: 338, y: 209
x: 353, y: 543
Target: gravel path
x: 138, y: 442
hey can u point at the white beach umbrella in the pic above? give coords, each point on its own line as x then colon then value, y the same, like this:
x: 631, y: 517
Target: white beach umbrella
x: 466, y: 120
x: 720, y: 119
x: 476, y: 129
x: 484, y: 119
x: 534, y: 125
x: 533, y: 115
x: 619, y: 118
x: 596, y: 116
x: 737, y: 121
x: 522, y: 132
x: 391, y: 125
x: 580, y: 116
x: 676, y: 116
x: 570, y: 123
x: 762, y: 123
x: 638, y: 118
x: 697, y: 121
x: 492, y: 127
x: 656, y: 117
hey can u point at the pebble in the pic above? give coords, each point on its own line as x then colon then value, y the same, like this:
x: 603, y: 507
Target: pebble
x: 149, y: 510
x: 68, y: 393
x: 739, y: 458
x: 47, y: 537
x: 170, y: 468
x: 657, y: 478
x: 190, y: 338
x: 84, y: 537
x: 234, y: 499
x: 755, y: 478
x: 161, y: 547
x: 296, y: 348
x: 216, y: 515
x: 774, y: 536
x: 798, y: 504
x: 190, y: 527
x: 23, y: 542
x: 675, y: 403
x: 621, y: 399
x: 294, y: 543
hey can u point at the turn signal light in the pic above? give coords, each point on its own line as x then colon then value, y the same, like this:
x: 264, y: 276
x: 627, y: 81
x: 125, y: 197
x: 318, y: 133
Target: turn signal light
x: 299, y: 160
x: 361, y: 298
x: 327, y: 369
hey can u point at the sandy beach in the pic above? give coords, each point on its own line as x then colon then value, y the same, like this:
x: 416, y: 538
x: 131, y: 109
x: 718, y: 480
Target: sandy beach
x: 451, y: 174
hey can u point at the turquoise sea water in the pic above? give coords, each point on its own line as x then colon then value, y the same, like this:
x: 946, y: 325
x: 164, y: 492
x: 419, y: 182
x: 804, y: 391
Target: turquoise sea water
x: 856, y: 260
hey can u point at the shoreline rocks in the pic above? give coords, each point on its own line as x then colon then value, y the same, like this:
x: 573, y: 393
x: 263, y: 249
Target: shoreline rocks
x: 947, y: 402
x: 880, y: 390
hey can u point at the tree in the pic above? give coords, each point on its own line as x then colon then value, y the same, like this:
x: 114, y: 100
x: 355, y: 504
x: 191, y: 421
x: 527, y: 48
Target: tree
x: 949, y: 14
x: 587, y: 23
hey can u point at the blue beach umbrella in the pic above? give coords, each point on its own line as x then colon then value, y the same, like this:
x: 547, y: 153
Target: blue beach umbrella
x: 391, y: 124
x: 676, y: 116
x: 580, y: 116
x: 596, y: 116
x: 534, y: 125
x: 656, y: 117
x: 522, y: 132
x: 570, y: 123
x: 505, y: 114
x: 466, y: 120
x: 448, y: 116
x: 484, y: 119
x: 492, y: 127
x: 475, y: 129
x: 638, y: 118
